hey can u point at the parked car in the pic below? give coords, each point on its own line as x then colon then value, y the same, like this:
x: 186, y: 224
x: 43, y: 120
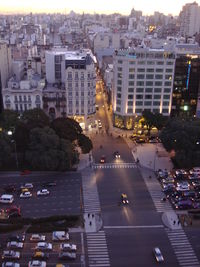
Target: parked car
x: 43, y: 192
x: 37, y: 238
x: 10, y: 264
x: 196, y: 184
x: 27, y: 185
x: 43, y: 246
x: 36, y: 263
x: 39, y: 255
x: 183, y: 186
x: 17, y: 238
x: 158, y: 255
x: 68, y: 247
x: 67, y: 256
x: 25, y: 194
x: 10, y: 254
x: 60, y: 236
x: 15, y: 244
x: 184, y: 204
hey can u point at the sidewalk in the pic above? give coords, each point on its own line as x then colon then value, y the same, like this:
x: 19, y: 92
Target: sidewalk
x: 85, y: 160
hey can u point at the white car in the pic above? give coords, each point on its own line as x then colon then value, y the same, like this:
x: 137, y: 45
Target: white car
x: 10, y: 264
x: 15, y: 244
x: 68, y: 247
x: 183, y: 186
x: 36, y: 263
x: 43, y: 246
x: 25, y: 194
x: 27, y: 185
x: 158, y: 255
x: 60, y: 236
x: 43, y: 192
x: 37, y: 238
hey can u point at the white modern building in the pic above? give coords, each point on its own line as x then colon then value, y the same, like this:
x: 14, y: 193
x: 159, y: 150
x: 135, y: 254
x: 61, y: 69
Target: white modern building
x: 73, y: 71
x: 143, y: 80
x: 190, y: 19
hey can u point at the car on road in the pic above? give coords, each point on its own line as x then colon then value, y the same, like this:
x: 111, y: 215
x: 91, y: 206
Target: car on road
x: 37, y: 238
x: 43, y: 192
x: 39, y: 255
x: 13, y: 211
x: 49, y: 184
x: 10, y: 264
x: 26, y: 185
x: 43, y: 246
x: 158, y: 255
x: 15, y: 245
x: 10, y: 254
x: 68, y: 247
x: 67, y: 256
x: 36, y: 263
x: 196, y: 184
x: 117, y: 155
x: 124, y: 199
x: 183, y: 186
x: 18, y: 238
x: 102, y: 159
x: 25, y: 194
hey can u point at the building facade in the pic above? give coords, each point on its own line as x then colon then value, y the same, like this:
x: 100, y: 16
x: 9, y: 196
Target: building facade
x: 143, y: 80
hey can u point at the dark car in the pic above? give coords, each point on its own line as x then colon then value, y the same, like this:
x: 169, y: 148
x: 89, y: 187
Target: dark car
x: 67, y: 256
x: 10, y: 189
x: 49, y: 184
x: 117, y: 155
x: 103, y: 159
x: 189, y: 194
x: 17, y: 238
x: 196, y: 184
x: 39, y: 255
x: 184, y: 204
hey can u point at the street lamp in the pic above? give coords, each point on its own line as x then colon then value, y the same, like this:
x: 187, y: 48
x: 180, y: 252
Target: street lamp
x: 10, y: 133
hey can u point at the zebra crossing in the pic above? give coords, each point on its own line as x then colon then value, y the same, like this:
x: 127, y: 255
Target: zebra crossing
x: 156, y: 195
x: 115, y: 166
x: 90, y: 193
x: 182, y: 248
x: 97, y: 250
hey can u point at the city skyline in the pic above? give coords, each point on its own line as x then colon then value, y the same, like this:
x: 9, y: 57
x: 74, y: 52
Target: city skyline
x: 88, y: 6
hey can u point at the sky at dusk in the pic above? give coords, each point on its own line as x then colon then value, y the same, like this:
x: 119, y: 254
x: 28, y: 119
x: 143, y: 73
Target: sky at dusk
x: 93, y: 6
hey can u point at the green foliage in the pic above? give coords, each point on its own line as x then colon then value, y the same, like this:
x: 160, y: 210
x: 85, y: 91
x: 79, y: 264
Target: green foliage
x: 5, y: 150
x: 154, y: 120
x: 8, y: 120
x: 85, y: 143
x: 66, y: 128
x: 34, y: 118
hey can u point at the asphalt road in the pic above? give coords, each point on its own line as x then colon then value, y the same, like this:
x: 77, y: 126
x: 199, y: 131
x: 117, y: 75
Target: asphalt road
x: 64, y: 198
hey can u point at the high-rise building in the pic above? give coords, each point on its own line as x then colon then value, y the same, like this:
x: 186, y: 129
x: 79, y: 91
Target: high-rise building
x: 143, y: 80
x: 5, y: 69
x: 73, y: 71
x: 190, y: 19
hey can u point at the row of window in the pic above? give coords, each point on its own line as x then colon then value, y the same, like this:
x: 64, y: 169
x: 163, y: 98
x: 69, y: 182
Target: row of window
x: 89, y: 85
x: 21, y: 98
x: 82, y: 102
x: 148, y: 62
x: 24, y: 107
x: 151, y: 70
x: 79, y: 112
x: 147, y: 83
x: 141, y: 96
x: 70, y: 93
x: 140, y: 110
x: 147, y: 76
x: 146, y: 90
x: 81, y: 75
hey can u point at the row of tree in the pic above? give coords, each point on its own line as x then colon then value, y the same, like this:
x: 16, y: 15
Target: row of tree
x: 36, y: 143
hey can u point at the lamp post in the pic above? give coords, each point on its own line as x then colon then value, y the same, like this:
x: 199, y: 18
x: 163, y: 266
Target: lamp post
x: 155, y: 155
x: 10, y: 133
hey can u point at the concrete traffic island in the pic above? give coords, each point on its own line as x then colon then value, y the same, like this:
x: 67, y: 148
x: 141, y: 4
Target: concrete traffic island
x: 92, y: 222
x: 171, y: 220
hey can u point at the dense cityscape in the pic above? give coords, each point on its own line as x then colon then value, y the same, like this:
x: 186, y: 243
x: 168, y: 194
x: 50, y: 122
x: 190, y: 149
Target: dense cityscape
x: 100, y: 139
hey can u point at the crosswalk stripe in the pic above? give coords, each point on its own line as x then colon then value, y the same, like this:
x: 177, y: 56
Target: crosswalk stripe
x: 114, y: 165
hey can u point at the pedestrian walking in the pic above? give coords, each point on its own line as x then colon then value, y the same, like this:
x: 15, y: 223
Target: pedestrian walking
x: 90, y: 223
x: 92, y: 215
x: 174, y: 222
x: 178, y: 222
x: 88, y: 215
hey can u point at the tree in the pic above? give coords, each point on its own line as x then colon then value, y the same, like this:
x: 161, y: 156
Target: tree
x: 85, y: 143
x: 34, y: 118
x: 49, y: 152
x: 5, y: 151
x: 159, y: 121
x: 149, y: 119
x: 8, y: 120
x: 66, y: 128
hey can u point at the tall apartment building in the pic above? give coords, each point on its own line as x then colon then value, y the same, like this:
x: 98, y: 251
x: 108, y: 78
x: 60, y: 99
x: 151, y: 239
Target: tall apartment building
x: 190, y: 19
x: 74, y: 73
x: 5, y: 68
x: 143, y: 80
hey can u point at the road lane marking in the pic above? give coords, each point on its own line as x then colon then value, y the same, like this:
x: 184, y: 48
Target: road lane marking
x: 134, y: 226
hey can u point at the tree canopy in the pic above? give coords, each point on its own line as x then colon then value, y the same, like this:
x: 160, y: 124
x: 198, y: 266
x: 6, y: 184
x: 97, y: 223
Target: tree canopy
x: 35, y: 118
x: 8, y: 120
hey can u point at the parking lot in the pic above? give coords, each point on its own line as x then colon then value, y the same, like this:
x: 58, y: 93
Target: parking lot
x: 64, y: 197
x: 28, y: 250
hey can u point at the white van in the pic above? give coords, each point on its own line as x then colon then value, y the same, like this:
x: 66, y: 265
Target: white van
x: 6, y: 199
x: 60, y: 236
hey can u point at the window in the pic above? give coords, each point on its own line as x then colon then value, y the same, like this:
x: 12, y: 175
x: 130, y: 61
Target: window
x: 119, y: 75
x: 82, y: 75
x: 118, y: 109
x: 157, y: 96
x: 119, y: 89
x: 138, y: 110
x: 140, y: 90
x: 119, y: 82
x: 150, y: 62
x: 132, y: 62
x: 139, y: 96
x: 148, y: 96
x: 77, y: 93
x: 119, y: 61
x: 119, y: 69
x: 149, y: 76
x: 82, y: 93
x: 29, y: 98
x: 168, y: 83
x: 140, y: 76
x: 147, y: 103
x: 130, y: 110
x: 158, y: 83
x: 159, y: 70
x: 166, y: 97
x: 82, y: 85
x: 130, y: 103
x: 165, y: 110
x: 170, y: 63
x: 24, y: 97
x: 69, y: 93
x: 140, y: 83
x: 130, y: 90
x: 131, y: 70
x: 156, y: 110
x: 131, y: 76
x: 148, y: 90
x: 130, y: 96
x: 139, y: 103
x: 37, y: 98
x: 160, y: 62
x: 118, y: 95
x: 37, y: 105
x: 168, y: 77
x: 150, y: 70
x: 167, y: 90
x: 16, y: 107
x: 165, y: 103
x: 157, y: 90
x: 156, y: 103
x: 140, y: 70
x: 25, y: 106
x: 20, y: 99
x: 149, y: 83
x: 158, y: 76
x: 69, y: 85
x: 131, y: 83
x: 169, y: 70
x: 69, y: 75
x: 141, y: 62
x: 88, y: 85
x: 76, y: 75
x: 15, y: 98
x: 118, y: 102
